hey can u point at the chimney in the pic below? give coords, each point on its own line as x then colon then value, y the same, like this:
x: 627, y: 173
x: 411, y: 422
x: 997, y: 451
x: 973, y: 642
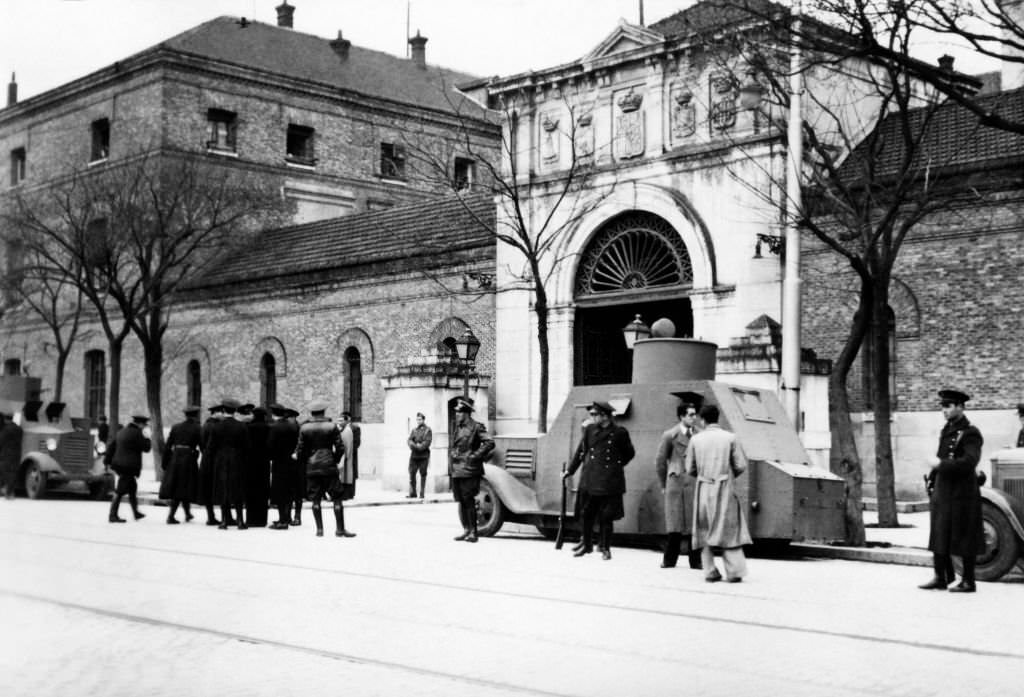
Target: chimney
x: 419, y: 49
x: 285, y: 13
x: 341, y: 46
x: 12, y: 92
x: 946, y: 63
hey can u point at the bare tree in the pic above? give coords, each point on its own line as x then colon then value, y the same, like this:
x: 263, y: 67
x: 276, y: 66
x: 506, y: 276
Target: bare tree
x: 139, y: 230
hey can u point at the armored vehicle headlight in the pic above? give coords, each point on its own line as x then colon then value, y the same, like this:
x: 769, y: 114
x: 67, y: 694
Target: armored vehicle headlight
x: 51, y: 443
x: 101, y: 447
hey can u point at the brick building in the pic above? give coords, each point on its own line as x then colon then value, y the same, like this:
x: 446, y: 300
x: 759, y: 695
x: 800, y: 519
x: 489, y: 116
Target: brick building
x: 335, y: 128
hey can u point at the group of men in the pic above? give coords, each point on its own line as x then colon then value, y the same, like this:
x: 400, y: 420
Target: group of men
x: 241, y: 463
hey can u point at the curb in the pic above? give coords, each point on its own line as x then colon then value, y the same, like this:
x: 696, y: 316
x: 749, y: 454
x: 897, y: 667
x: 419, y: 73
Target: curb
x: 868, y: 504
x: 906, y: 556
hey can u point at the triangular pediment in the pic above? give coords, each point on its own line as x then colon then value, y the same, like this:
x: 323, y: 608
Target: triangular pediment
x: 625, y: 37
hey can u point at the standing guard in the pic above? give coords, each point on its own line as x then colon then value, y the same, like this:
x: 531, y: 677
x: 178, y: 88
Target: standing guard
x: 419, y: 455
x: 603, y: 453
x: 180, y: 464
x: 319, y: 450
x: 469, y: 448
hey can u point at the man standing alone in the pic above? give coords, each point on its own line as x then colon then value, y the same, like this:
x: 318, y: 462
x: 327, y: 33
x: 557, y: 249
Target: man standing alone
x: 10, y: 450
x: 715, y: 457
x: 124, y: 456
x: 603, y: 453
x: 470, y: 447
x: 419, y: 455
x: 955, y: 507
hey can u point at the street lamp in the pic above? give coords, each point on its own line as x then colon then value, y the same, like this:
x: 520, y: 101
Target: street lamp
x: 634, y: 331
x: 466, y: 348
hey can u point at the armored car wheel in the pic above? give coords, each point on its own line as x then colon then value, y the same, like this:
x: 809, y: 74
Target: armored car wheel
x: 490, y: 511
x: 1001, y: 548
x: 35, y: 481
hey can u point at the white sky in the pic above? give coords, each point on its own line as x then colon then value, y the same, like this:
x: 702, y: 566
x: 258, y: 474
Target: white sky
x: 51, y: 42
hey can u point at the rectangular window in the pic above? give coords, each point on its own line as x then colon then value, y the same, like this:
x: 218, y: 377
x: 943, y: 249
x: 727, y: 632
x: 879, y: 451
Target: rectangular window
x: 221, y: 131
x: 392, y: 161
x: 100, y: 140
x: 299, y: 145
x: 464, y: 174
x: 14, y: 251
x: 95, y: 383
x: 18, y: 159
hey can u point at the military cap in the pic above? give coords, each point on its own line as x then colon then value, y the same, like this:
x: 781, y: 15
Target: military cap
x: 604, y: 407
x: 140, y: 417
x: 215, y: 408
x: 318, y: 406
x: 259, y: 413
x: 246, y: 408
x: 290, y: 413
x: 276, y: 408
x: 954, y: 396
x: 192, y: 409
x: 464, y: 405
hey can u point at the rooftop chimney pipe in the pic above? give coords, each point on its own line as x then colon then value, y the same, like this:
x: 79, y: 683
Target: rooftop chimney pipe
x: 946, y: 62
x: 419, y: 49
x: 285, y: 14
x: 341, y: 46
x: 12, y: 92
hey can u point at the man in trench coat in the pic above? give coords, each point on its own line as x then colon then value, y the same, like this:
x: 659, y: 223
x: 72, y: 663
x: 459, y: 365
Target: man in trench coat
x: 955, y: 507
x: 715, y: 457
x: 678, y: 488
x: 10, y: 450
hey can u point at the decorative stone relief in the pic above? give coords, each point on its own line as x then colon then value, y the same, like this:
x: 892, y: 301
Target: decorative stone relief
x: 722, y: 114
x: 549, y: 139
x: 585, y: 134
x: 684, y: 114
x: 629, y: 126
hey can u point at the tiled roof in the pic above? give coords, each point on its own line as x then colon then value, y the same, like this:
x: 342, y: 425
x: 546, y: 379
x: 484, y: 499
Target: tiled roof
x: 954, y: 140
x: 425, y: 234
x: 715, y: 14
x: 307, y: 57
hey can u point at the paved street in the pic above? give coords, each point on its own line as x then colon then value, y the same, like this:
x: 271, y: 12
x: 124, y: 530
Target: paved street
x: 144, y: 608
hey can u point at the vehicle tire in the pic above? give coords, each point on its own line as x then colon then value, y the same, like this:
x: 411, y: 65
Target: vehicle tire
x: 490, y: 511
x: 1001, y: 550
x: 34, y: 481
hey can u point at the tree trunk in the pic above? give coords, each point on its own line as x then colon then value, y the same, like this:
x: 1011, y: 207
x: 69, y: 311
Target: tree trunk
x: 882, y: 407
x: 114, y: 346
x: 540, y: 307
x: 153, y: 363
x: 58, y: 378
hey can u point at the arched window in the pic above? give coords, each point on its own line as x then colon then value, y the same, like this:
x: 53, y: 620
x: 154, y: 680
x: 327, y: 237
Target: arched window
x: 193, y: 384
x: 353, y: 383
x: 95, y: 383
x: 268, y: 379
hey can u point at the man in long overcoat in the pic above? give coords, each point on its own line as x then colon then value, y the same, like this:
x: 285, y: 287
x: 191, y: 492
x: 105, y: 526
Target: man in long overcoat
x: 209, y: 494
x: 281, y: 439
x: 124, y: 456
x: 603, y: 452
x: 670, y: 463
x: 469, y: 447
x: 352, y: 436
x: 319, y: 450
x: 955, y: 506
x: 257, y: 480
x: 230, y: 443
x: 715, y: 457
x: 180, y: 463
x: 10, y: 450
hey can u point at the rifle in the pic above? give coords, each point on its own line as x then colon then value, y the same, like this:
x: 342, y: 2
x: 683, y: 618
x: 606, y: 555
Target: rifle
x: 560, y: 537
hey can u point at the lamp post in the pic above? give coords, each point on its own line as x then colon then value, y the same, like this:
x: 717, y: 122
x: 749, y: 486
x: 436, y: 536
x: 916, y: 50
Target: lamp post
x: 634, y: 331
x: 466, y: 348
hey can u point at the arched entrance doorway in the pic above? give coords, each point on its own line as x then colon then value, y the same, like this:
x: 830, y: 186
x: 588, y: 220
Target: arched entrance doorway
x: 636, y: 263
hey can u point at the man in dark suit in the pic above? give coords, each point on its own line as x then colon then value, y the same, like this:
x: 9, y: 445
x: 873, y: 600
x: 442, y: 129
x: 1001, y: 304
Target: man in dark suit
x: 677, y: 487
x: 605, y: 450
x: 257, y: 480
x: 10, y: 449
x: 230, y: 443
x: 124, y: 456
x: 181, y: 465
x: 209, y: 493
x: 955, y: 506
x: 281, y: 439
x: 470, y: 446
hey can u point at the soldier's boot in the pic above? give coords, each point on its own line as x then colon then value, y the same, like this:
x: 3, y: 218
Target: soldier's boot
x: 134, y: 501
x: 464, y: 519
x: 412, y: 486
x: 185, y: 506
x: 606, y: 541
x: 586, y: 545
x: 225, y: 518
x: 114, y: 505
x: 423, y: 485
x: 966, y: 584
x: 471, y: 513
x: 211, y: 518
x: 297, y: 520
x: 339, y: 519
x: 318, y: 519
x: 171, y: 520
x: 239, y: 518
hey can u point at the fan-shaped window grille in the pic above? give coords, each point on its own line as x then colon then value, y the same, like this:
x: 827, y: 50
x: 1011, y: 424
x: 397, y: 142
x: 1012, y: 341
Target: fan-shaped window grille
x: 634, y: 251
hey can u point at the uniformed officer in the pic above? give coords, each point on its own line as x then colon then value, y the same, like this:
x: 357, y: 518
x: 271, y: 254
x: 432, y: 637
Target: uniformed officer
x: 124, y: 456
x: 955, y: 509
x: 604, y: 451
x: 180, y: 463
x: 469, y: 448
x: 319, y: 450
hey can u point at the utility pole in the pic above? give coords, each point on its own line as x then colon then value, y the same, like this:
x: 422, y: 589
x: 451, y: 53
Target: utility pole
x: 791, y: 281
